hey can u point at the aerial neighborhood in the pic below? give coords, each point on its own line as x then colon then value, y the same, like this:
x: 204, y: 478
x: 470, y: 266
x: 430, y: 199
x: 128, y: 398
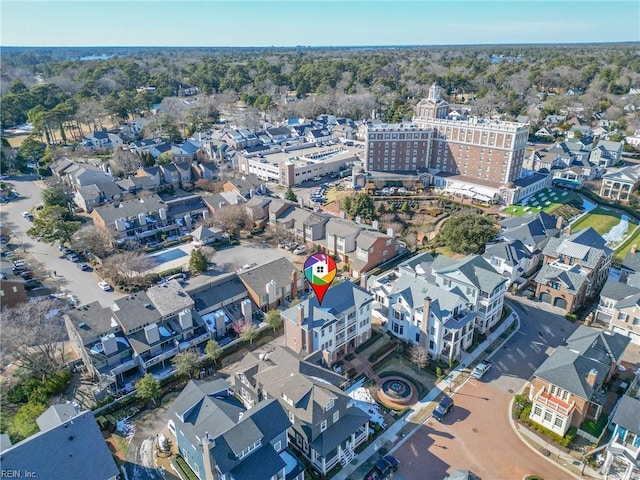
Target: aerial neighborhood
x: 159, y: 320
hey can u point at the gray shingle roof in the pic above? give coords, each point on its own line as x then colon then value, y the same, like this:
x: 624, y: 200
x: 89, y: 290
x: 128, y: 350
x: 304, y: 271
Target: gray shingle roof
x: 587, y: 246
x: 74, y: 450
x: 415, y: 290
x: 531, y: 229
x: 342, y: 228
x: 95, y: 320
x: 617, y: 290
x: 263, y: 464
x: 472, y: 269
x: 278, y: 270
x: 169, y: 297
x: 338, y: 432
x: 130, y: 208
x: 338, y: 299
x: 55, y: 415
x: 135, y: 310
x: 568, y: 370
x: 604, y: 346
x: 632, y: 261
x: 205, y: 407
x: 628, y: 414
x: 510, y: 252
x: 572, y: 279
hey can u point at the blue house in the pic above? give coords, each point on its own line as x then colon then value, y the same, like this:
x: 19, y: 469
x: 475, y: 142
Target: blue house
x: 220, y: 439
x: 623, y: 451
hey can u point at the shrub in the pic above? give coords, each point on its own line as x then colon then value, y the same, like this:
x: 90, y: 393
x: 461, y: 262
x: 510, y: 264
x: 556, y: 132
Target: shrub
x: 572, y: 317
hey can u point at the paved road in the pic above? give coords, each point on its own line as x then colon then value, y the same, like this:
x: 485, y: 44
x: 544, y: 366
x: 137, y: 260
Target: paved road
x: 84, y: 285
x: 477, y: 435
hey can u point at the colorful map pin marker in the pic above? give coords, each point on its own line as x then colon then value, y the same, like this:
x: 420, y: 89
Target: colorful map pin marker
x: 320, y: 270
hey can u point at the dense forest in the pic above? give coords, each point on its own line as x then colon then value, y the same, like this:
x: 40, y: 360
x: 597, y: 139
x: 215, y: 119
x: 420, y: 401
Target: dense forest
x: 55, y: 87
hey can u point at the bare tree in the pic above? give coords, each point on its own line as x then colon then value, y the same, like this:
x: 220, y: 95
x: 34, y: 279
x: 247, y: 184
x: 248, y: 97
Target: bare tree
x: 209, y: 185
x: 127, y: 267
x: 32, y: 336
x: 94, y: 240
x: 418, y: 356
x: 124, y: 161
x: 232, y: 218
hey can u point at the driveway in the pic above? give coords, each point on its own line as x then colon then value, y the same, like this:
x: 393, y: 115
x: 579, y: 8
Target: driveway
x: 141, y: 456
x: 477, y: 435
x: 84, y: 285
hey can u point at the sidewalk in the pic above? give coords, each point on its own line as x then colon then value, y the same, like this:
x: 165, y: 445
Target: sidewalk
x: 392, y: 434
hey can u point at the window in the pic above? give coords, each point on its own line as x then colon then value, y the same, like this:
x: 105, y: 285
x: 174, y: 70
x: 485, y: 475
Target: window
x: 336, y: 416
x: 537, y: 411
x: 278, y: 446
x: 323, y: 426
x: 558, y: 422
x: 291, y: 417
x: 329, y: 405
x: 398, y: 329
x: 636, y: 321
x: 547, y: 416
x: 622, y: 317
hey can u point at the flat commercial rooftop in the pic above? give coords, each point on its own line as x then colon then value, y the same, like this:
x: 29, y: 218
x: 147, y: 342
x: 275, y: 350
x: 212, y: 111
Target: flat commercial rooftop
x: 312, y: 154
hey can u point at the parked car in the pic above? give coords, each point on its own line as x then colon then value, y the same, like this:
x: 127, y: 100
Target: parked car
x: 444, y: 407
x: 300, y: 250
x: 104, y: 286
x: 382, y: 468
x: 82, y: 266
x: 316, y: 179
x: 480, y: 370
x: 73, y: 257
x: 25, y: 214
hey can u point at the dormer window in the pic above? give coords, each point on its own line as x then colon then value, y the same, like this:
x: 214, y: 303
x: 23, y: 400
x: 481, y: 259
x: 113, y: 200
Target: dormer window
x: 329, y: 405
x: 323, y: 426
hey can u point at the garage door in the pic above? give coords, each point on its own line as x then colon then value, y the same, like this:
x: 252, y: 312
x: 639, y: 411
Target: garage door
x: 560, y: 302
x: 545, y: 297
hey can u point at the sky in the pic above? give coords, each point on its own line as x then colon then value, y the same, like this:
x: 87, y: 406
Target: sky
x: 239, y: 23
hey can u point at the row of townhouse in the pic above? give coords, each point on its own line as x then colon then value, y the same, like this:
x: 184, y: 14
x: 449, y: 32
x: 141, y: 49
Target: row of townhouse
x: 94, y: 185
x: 438, y: 304
x: 142, y: 332
x: 572, y: 162
x: 363, y: 247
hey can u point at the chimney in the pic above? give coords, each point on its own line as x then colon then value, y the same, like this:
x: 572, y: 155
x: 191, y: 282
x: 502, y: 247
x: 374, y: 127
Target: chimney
x: 592, y: 377
x: 185, y: 318
x: 559, y: 222
x: 634, y: 248
x: 151, y: 333
x: 300, y: 315
x: 272, y: 292
x: 567, y: 231
x: 294, y: 284
x: 209, y: 462
x: 245, y: 308
x: 363, y: 280
x: 424, y: 325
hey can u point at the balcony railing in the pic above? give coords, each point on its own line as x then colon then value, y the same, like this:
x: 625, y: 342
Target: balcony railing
x: 123, y: 367
x: 195, y: 341
x: 554, y: 403
x: 160, y: 357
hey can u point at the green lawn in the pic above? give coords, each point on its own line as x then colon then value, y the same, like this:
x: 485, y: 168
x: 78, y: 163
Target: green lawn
x: 602, y: 219
x: 619, y: 255
x: 554, y: 204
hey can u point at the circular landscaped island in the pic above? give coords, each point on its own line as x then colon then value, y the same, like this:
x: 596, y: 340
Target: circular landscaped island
x: 397, y: 392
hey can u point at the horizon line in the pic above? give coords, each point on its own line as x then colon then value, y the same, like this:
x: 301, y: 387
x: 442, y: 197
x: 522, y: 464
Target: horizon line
x: 616, y: 42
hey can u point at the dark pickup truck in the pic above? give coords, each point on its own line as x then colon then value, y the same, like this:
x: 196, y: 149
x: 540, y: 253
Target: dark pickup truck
x: 382, y: 468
